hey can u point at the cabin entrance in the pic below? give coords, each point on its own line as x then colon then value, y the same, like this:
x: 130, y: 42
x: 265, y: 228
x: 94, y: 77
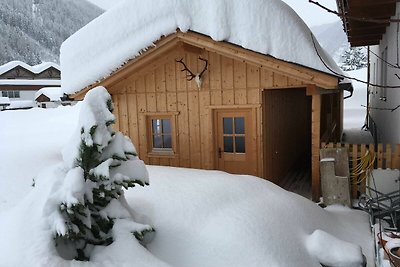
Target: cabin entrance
x: 234, y: 143
x: 287, y: 137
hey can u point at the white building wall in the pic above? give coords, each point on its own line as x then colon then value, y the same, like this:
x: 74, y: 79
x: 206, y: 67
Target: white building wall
x: 26, y: 95
x: 388, y: 123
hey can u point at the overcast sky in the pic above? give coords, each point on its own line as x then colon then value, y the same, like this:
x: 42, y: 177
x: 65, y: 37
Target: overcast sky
x: 310, y: 13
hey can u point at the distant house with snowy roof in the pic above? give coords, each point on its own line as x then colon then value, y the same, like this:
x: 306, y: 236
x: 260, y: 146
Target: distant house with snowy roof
x: 20, y: 81
x: 51, y: 97
x: 238, y: 86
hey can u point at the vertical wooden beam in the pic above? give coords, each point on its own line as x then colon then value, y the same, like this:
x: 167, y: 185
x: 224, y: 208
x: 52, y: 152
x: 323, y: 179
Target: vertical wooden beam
x: 340, y: 114
x: 315, y: 143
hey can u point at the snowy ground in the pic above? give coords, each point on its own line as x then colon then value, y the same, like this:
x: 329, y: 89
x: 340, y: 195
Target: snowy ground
x: 202, y: 218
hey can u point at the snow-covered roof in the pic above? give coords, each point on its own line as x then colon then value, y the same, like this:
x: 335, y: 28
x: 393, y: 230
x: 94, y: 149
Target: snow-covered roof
x: 269, y: 27
x: 34, y: 69
x: 53, y: 93
x: 4, y: 100
x: 20, y: 104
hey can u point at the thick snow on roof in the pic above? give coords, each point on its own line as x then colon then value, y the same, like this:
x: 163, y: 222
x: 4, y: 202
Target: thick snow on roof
x: 266, y: 26
x: 34, y: 69
x: 53, y: 93
x: 16, y: 104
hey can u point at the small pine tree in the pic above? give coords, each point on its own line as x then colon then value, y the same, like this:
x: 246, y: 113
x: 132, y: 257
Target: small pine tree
x: 354, y: 58
x: 105, y: 163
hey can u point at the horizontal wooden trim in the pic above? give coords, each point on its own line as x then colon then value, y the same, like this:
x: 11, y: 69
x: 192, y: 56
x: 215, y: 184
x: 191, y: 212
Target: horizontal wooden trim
x: 285, y: 87
x: 162, y: 154
x: 314, y: 90
x: 170, y: 113
x: 234, y: 106
x: 299, y: 72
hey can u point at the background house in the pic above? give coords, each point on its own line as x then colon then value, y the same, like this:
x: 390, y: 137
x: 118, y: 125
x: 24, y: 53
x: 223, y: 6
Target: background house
x: 20, y: 81
x: 263, y: 101
x: 51, y: 97
x: 367, y: 23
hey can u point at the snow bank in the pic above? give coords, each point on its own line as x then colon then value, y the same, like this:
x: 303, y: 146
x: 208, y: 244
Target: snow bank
x: 21, y: 104
x: 211, y: 218
x: 32, y: 140
x: 203, y: 218
x: 4, y: 100
x: 331, y: 251
x: 125, y: 31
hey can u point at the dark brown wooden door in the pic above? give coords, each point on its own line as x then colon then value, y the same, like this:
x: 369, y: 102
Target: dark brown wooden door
x: 235, y: 145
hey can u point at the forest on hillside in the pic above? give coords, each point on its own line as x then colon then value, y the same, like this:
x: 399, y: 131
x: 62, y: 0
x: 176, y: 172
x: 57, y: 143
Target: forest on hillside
x: 33, y: 30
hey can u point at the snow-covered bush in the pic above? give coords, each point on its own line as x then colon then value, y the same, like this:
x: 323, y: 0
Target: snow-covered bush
x: 99, y: 164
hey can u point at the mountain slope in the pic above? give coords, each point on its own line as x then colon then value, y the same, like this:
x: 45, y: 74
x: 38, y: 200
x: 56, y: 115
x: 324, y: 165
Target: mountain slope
x: 332, y: 38
x: 33, y: 30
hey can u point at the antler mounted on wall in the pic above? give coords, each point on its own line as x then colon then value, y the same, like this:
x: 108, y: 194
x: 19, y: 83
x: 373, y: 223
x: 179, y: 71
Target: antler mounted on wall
x: 190, y: 75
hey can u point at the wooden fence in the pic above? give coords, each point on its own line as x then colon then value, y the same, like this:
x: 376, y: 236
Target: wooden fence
x: 383, y: 156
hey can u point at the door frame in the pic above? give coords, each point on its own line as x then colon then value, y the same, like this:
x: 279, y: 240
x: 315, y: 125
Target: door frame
x: 253, y: 149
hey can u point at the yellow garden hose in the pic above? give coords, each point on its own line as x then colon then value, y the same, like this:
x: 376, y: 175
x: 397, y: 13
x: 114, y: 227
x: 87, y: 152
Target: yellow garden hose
x: 361, y: 167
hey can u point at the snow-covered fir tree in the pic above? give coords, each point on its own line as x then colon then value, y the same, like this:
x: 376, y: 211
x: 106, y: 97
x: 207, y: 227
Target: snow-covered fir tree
x: 354, y: 58
x: 99, y: 164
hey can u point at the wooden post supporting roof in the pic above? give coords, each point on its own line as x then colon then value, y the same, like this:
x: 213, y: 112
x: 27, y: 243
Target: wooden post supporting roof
x: 315, y: 141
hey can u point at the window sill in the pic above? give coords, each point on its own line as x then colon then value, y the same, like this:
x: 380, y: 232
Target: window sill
x: 162, y: 154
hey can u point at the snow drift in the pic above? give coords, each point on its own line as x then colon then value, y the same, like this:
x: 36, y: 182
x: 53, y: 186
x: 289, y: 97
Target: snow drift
x: 202, y: 218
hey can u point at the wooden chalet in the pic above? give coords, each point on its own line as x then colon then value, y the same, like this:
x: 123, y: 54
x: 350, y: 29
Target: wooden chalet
x: 248, y: 113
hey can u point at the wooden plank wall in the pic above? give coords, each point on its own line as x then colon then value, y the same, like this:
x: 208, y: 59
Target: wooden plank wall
x: 161, y: 87
x: 385, y: 156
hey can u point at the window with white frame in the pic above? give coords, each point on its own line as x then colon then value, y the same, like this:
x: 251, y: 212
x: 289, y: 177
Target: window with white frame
x: 10, y: 94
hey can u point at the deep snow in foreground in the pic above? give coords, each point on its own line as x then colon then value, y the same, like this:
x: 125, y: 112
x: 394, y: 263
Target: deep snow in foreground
x: 202, y: 218
x: 30, y: 141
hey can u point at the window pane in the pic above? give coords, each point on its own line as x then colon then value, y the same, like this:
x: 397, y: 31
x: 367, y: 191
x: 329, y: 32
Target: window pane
x: 16, y: 94
x: 240, y: 144
x: 157, y: 141
x: 228, y: 125
x: 167, y: 141
x: 239, y: 125
x: 156, y: 126
x: 228, y: 144
x: 4, y: 94
x: 166, y: 126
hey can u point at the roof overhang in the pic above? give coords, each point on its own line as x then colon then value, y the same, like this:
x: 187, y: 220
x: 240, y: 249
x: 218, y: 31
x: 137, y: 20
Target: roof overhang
x: 365, y: 21
x: 292, y: 70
